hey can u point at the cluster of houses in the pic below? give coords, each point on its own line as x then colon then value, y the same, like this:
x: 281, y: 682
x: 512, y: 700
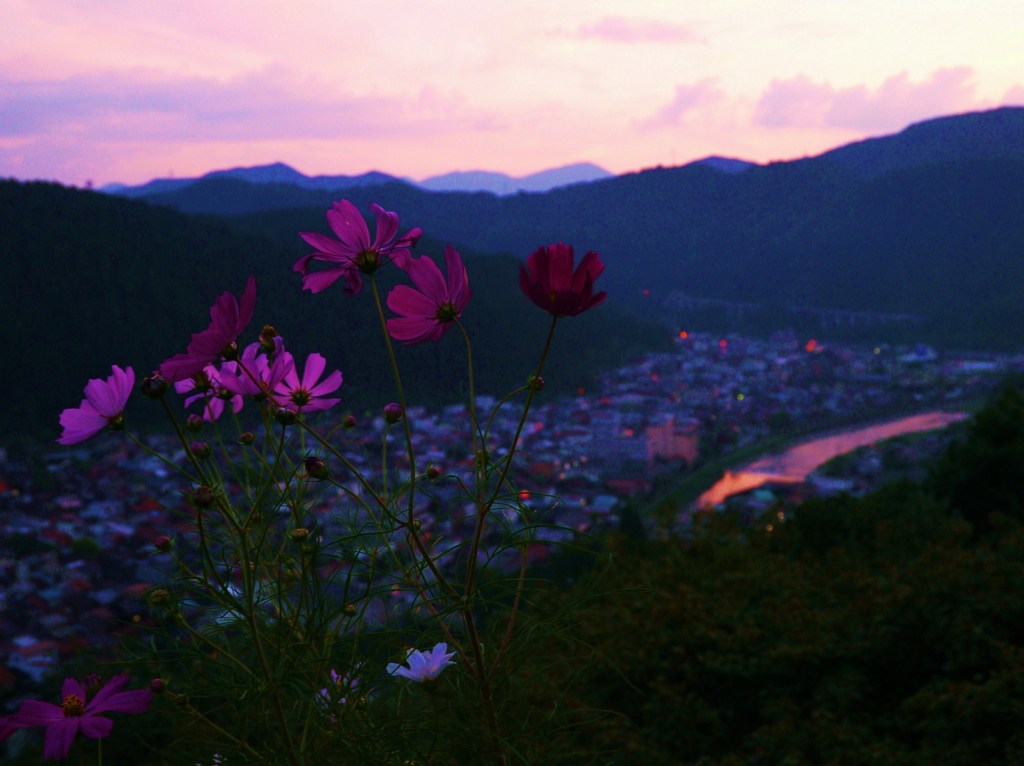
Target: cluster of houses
x: 80, y: 527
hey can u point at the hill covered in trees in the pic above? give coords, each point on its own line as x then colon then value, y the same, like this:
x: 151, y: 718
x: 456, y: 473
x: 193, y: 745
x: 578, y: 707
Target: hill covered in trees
x: 88, y: 280
x: 919, y: 232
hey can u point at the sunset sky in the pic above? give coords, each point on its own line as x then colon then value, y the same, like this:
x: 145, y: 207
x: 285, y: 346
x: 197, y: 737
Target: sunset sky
x: 129, y: 90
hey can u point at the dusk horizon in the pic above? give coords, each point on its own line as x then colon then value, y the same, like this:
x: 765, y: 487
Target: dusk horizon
x: 124, y: 94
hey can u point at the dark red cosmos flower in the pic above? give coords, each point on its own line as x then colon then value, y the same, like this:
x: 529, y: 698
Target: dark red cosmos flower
x: 548, y: 279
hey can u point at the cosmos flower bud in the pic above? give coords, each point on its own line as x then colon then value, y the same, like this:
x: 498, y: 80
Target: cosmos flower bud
x: 316, y: 468
x: 349, y: 421
x: 535, y: 383
x: 285, y: 416
x: 154, y: 387
x: 162, y: 543
x: 194, y: 423
x: 157, y: 685
x: 248, y: 437
x: 299, y: 534
x: 392, y: 412
x: 201, y: 450
x: 203, y: 496
x: 201, y: 382
x: 230, y: 351
x: 433, y: 472
x: 158, y: 596
x: 267, y: 336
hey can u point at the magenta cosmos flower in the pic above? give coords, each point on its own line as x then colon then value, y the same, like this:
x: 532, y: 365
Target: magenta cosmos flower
x: 228, y: 318
x: 102, y: 407
x: 254, y: 374
x: 205, y: 387
x: 423, y: 667
x: 352, y: 252
x: 78, y: 713
x: 548, y: 279
x: 428, y: 309
x: 307, y: 394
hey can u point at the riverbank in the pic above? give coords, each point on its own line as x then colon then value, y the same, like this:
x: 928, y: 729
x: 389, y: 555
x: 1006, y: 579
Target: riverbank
x: 795, y: 464
x: 686, y: 492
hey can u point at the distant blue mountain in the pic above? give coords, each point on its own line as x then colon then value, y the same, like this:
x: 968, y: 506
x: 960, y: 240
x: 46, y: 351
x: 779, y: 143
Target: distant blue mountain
x: 277, y: 174
x: 502, y: 184
x: 725, y: 164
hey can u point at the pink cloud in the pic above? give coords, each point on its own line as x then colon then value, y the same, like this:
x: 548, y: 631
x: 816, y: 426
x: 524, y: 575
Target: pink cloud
x: 269, y: 104
x: 687, y: 98
x: 801, y: 102
x: 1014, y: 96
x: 795, y: 102
x: 619, y: 29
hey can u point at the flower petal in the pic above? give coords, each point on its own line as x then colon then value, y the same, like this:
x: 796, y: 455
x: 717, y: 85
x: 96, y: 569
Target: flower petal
x: 348, y: 224
x: 96, y: 727
x: 38, y: 713
x: 59, y: 737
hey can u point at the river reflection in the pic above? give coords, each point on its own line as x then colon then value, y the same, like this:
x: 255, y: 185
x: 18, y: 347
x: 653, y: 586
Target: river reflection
x: 793, y: 465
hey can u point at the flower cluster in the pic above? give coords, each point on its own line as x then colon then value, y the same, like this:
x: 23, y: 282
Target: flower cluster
x: 261, y: 543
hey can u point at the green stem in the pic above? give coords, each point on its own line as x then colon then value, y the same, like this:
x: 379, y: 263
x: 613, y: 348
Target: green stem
x: 410, y: 521
x: 483, y: 511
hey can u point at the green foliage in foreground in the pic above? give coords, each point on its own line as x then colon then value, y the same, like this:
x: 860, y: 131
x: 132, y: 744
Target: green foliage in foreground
x: 856, y: 632
x: 884, y: 630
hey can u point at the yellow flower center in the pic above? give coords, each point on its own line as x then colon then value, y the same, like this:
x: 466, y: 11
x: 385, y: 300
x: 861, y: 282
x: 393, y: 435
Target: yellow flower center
x: 446, y: 312
x: 368, y: 261
x: 73, y: 705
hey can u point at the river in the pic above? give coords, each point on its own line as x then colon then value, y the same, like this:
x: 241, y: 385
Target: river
x: 794, y: 464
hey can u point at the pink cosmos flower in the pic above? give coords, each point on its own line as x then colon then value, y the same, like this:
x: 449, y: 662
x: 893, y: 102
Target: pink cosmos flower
x: 423, y: 667
x: 549, y: 281
x: 428, y: 310
x: 227, y: 320
x: 78, y: 713
x: 306, y: 395
x: 205, y: 387
x: 102, y: 407
x: 352, y: 252
x: 340, y: 685
x: 254, y: 374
